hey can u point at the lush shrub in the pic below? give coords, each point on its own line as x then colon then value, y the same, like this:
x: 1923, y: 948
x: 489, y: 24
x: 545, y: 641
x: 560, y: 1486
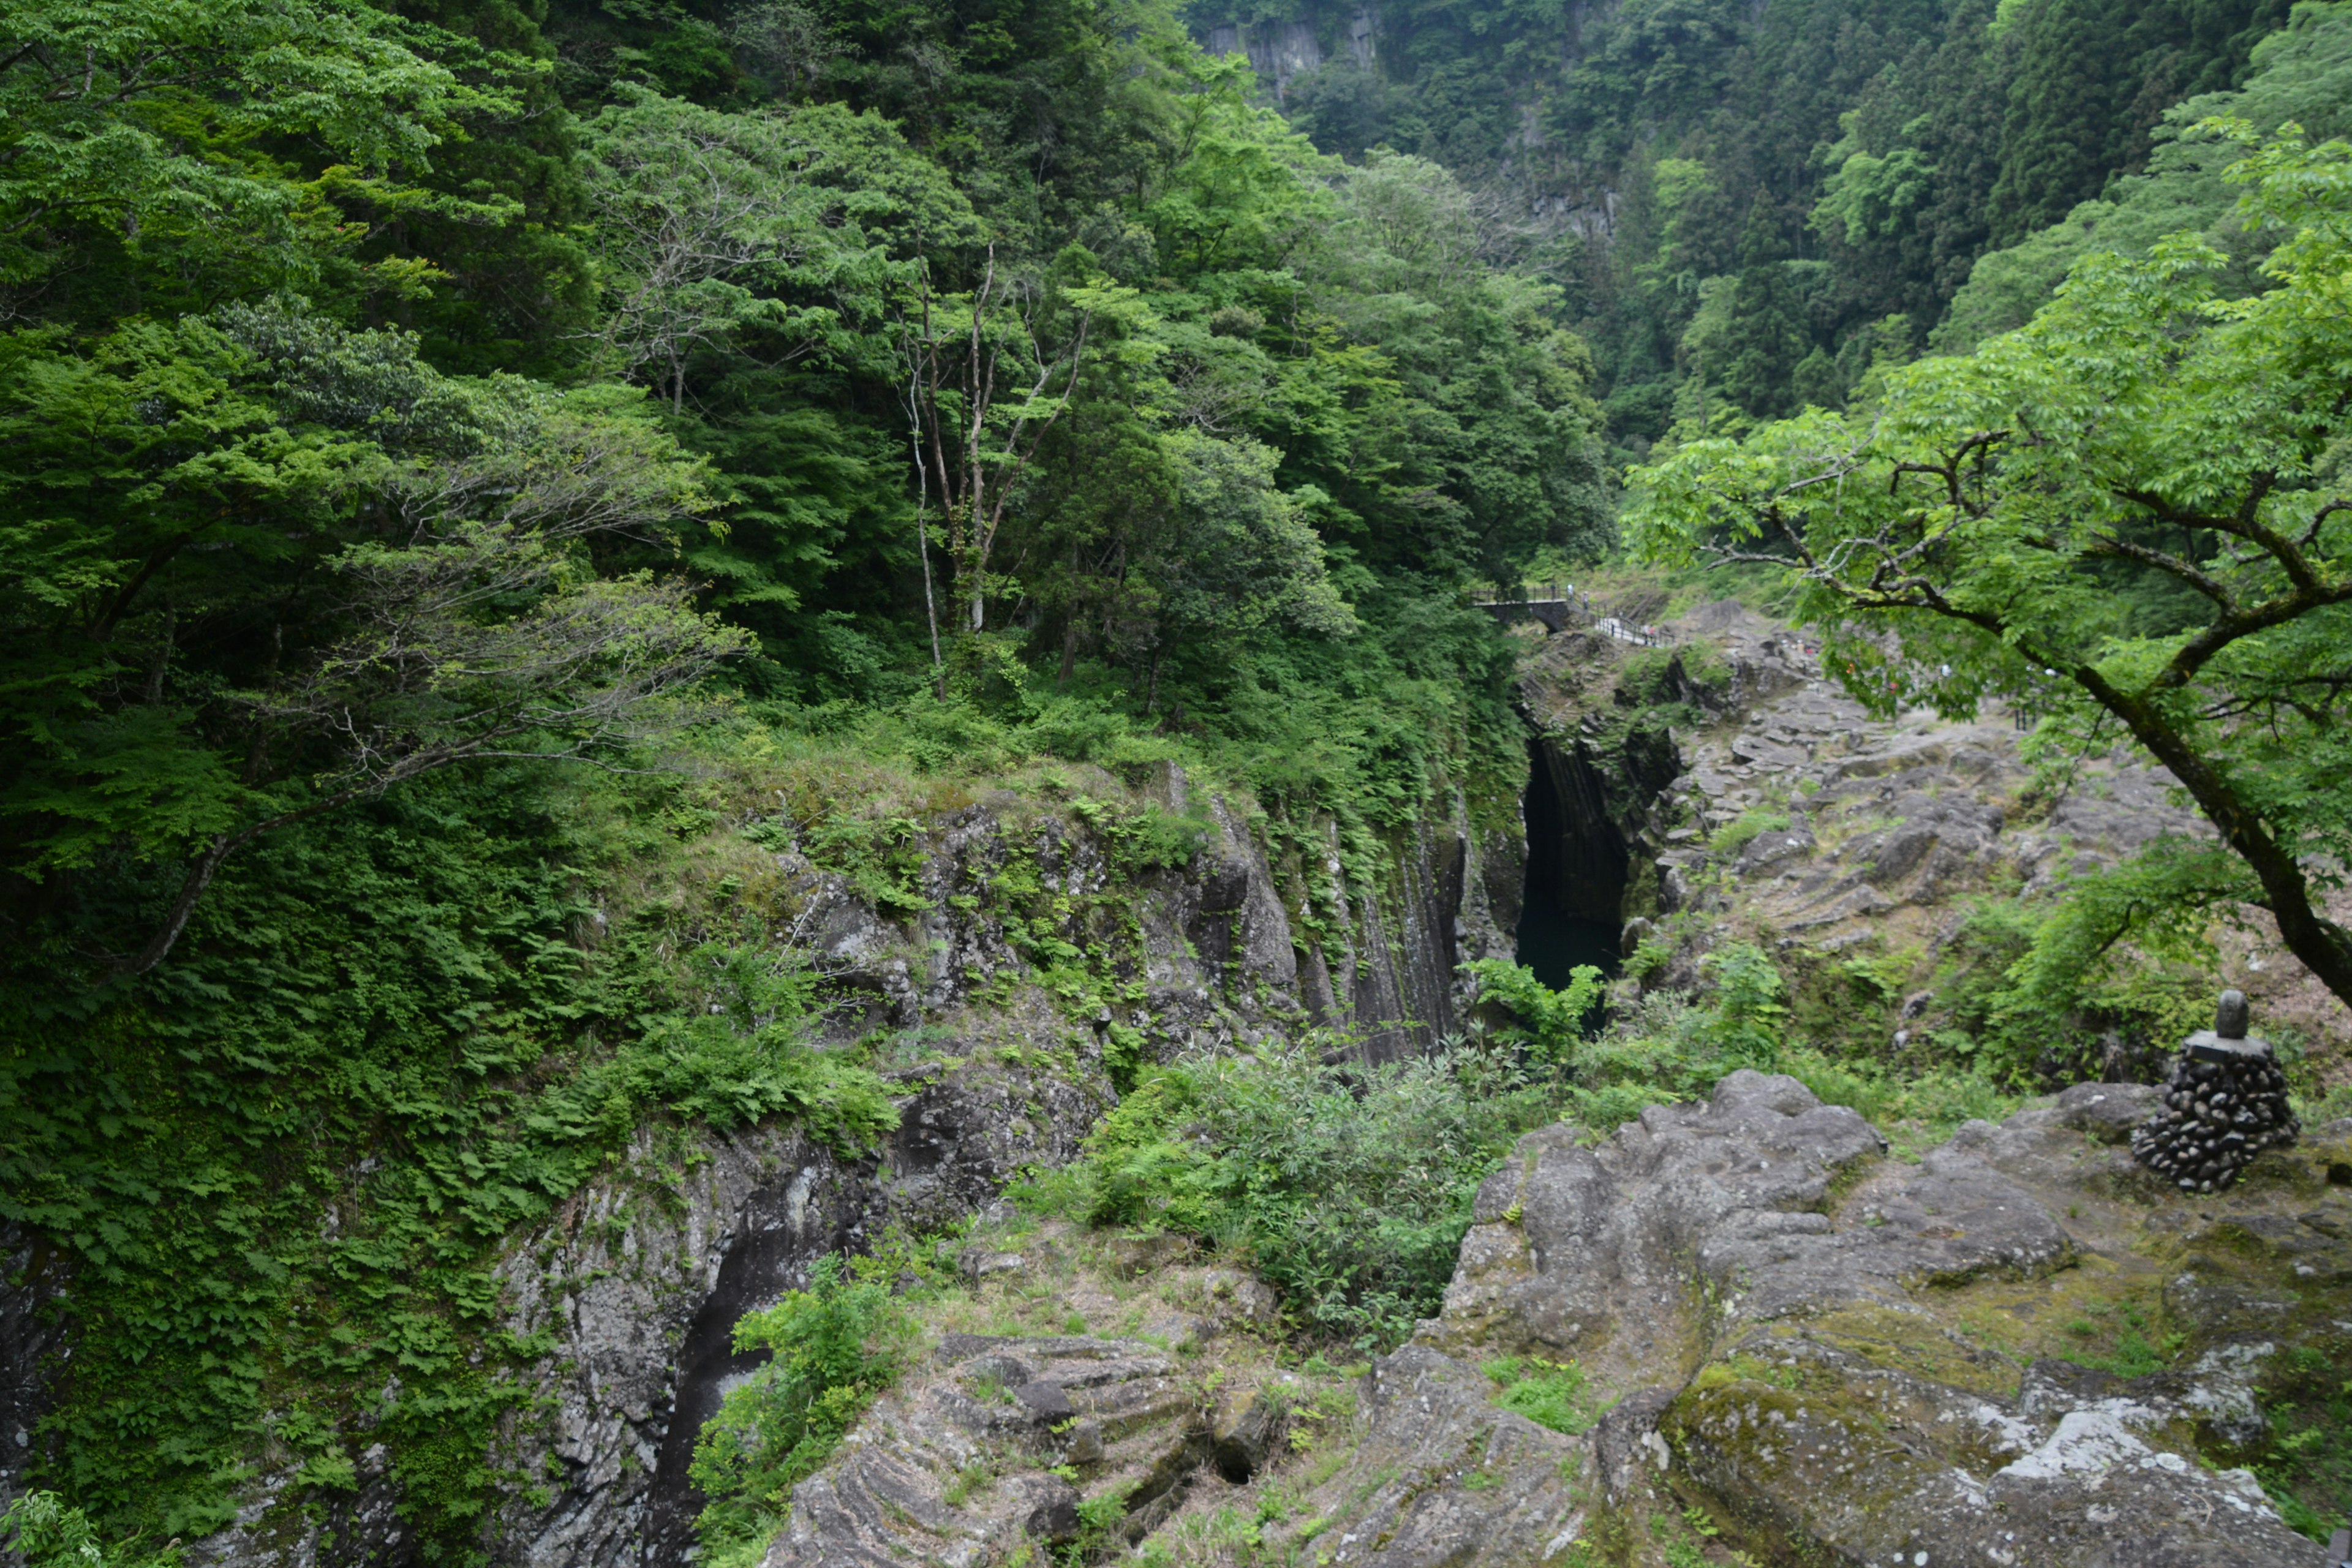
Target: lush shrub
x: 1667, y: 1047
x: 742, y: 1055
x: 48, y: 1535
x: 1349, y: 1188
x: 1553, y: 1021
x: 1748, y: 1018
x: 836, y: 1346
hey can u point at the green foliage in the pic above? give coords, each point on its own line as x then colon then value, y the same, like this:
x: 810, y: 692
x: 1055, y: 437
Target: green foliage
x: 834, y: 1346
x: 2308, y: 1403
x: 336, y: 495
x: 1744, y: 829
x: 48, y: 1534
x: 1549, y: 1393
x: 283, y: 1165
x: 2093, y: 572
x: 2133, y: 1355
x: 741, y: 1059
x: 1750, y: 1009
x: 2302, y: 74
x: 1349, y: 1188
x: 1554, y: 1021
x: 1666, y: 1048
x: 1916, y: 135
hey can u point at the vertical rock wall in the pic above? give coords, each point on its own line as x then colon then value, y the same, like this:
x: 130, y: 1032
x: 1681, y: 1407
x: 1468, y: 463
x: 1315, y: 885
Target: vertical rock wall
x: 640, y: 1279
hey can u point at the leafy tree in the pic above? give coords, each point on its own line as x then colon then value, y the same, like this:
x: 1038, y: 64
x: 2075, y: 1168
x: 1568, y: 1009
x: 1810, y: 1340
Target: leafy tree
x: 134, y: 141
x: 770, y: 232
x: 2129, y: 515
x: 2303, y: 74
x: 2092, y: 77
x: 259, y: 567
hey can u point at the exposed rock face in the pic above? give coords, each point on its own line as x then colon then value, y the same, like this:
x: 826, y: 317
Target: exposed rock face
x: 1442, y: 1477
x: 1001, y: 1443
x: 1732, y: 782
x: 32, y: 1275
x: 1818, y: 1349
x: 988, y: 1404
x: 640, y: 1277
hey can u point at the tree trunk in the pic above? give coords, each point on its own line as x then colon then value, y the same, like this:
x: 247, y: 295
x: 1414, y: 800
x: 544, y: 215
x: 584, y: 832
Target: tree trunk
x: 2325, y: 947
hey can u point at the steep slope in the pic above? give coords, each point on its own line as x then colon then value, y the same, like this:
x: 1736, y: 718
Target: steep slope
x: 1030, y: 955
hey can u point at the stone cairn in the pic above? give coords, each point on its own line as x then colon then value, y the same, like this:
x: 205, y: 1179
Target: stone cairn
x: 2224, y: 1103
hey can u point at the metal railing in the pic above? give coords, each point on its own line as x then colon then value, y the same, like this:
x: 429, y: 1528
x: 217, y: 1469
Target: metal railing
x: 1558, y: 598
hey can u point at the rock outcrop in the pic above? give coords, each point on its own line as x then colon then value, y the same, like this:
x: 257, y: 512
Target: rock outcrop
x: 638, y: 1280
x: 1826, y: 1356
x: 1728, y: 787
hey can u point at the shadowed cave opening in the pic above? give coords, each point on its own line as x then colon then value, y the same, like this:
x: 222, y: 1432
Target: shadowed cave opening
x: 1575, y: 879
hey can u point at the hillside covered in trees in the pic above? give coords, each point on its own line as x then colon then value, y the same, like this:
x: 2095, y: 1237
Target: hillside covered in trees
x: 466, y: 459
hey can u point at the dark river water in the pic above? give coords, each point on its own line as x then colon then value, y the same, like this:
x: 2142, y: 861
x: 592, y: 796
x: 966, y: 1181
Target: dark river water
x: 1552, y: 944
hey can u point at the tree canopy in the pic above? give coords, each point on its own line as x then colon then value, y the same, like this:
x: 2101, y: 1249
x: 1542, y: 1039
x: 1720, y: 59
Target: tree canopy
x: 2131, y: 516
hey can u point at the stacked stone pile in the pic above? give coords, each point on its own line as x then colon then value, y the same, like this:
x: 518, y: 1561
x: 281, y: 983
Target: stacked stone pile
x: 2224, y: 1103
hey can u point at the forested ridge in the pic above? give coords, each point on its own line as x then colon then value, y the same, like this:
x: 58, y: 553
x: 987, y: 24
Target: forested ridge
x: 461, y: 454
x: 1749, y: 207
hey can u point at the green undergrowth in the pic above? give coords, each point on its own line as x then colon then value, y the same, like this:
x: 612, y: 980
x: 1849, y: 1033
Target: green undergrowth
x: 278, y: 1171
x: 2307, y: 1397
x: 1669, y: 1046
x: 2115, y: 1337
x: 1348, y: 1188
x: 1548, y: 1393
x: 833, y: 1347
x: 46, y: 1532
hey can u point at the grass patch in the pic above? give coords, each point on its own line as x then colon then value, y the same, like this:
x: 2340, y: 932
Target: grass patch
x: 1744, y: 829
x: 1549, y: 1393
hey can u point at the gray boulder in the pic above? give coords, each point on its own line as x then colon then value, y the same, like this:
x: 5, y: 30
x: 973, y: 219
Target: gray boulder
x: 1827, y: 1356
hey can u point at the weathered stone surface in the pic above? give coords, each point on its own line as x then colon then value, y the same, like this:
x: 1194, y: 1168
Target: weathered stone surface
x: 1890, y: 822
x: 1795, y: 1335
x: 32, y: 1279
x: 1443, y: 1479
x: 980, y: 1426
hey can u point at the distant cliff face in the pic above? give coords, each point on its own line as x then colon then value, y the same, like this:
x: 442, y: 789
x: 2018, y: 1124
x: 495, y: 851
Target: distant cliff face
x: 638, y: 1281
x: 1728, y: 789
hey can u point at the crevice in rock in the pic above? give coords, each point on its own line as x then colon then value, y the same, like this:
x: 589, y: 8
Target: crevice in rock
x: 1571, y: 905
x: 780, y: 1233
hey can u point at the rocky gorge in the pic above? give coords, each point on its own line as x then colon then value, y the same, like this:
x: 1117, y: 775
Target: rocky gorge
x: 1789, y: 1348
x: 1786, y: 1345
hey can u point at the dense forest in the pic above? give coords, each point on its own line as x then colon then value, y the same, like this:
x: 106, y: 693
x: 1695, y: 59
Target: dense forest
x: 453, y: 444
x: 1748, y: 209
